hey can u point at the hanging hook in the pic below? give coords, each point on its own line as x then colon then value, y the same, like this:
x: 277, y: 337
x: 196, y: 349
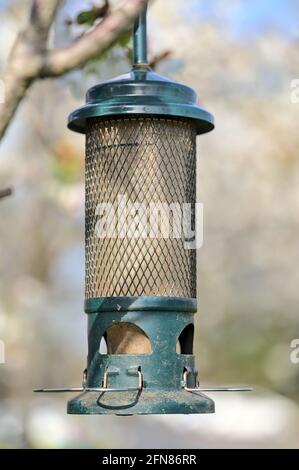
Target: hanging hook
x: 140, y: 41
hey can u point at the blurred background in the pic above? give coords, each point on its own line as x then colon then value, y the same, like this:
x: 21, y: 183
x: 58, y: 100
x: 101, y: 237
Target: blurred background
x: 241, y: 58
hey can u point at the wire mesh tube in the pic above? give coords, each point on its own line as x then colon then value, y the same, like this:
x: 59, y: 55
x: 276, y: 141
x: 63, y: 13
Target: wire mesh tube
x: 149, y: 161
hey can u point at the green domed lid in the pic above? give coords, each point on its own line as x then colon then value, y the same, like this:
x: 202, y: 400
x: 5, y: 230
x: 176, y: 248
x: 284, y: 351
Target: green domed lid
x: 141, y: 92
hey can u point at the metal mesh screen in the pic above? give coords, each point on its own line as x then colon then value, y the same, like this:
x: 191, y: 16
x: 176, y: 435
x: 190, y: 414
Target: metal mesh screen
x: 149, y: 161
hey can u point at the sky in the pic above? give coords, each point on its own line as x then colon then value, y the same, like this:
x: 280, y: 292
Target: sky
x: 248, y: 19
x: 242, y: 18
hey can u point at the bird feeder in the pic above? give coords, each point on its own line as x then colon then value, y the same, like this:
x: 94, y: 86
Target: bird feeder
x: 141, y: 133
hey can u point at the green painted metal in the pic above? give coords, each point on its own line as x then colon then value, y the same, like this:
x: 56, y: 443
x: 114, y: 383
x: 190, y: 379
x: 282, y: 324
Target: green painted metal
x: 144, y: 403
x: 162, y: 370
x: 141, y: 92
x: 140, y: 40
x: 144, y: 303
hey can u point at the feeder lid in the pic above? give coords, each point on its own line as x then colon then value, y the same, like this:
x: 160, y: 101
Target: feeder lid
x: 141, y: 92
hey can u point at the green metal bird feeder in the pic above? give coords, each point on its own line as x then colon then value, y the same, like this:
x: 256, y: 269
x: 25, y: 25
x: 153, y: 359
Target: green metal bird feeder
x: 141, y: 133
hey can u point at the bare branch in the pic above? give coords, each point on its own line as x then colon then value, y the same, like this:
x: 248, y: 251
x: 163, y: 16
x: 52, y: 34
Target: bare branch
x: 41, y: 18
x: 93, y: 42
x: 30, y: 59
x: 5, y: 192
x: 19, y: 74
x: 155, y: 60
x: 24, y: 61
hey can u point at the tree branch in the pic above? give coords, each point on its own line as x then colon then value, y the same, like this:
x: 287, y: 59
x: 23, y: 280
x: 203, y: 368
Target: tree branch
x: 5, y: 192
x: 41, y: 18
x: 94, y: 42
x: 23, y: 63
x: 30, y: 59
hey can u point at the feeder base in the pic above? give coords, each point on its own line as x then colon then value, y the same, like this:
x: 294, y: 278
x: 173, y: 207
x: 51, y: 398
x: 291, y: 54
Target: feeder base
x: 143, y: 402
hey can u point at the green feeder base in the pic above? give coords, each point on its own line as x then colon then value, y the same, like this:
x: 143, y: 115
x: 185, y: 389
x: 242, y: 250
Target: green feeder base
x: 138, y: 403
x: 155, y: 381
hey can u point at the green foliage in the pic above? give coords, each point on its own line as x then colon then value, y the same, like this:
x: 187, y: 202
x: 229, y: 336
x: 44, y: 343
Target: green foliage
x: 89, y: 17
x: 67, y: 164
